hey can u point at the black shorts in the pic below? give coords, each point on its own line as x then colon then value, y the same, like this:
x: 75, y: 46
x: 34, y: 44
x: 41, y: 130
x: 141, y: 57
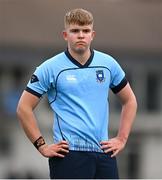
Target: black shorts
x: 83, y: 165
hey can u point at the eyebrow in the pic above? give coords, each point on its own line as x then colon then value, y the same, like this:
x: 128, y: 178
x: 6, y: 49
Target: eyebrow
x: 76, y: 30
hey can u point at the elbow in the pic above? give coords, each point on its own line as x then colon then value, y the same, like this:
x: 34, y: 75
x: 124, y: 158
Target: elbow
x: 131, y: 103
x: 134, y: 103
x: 19, y: 111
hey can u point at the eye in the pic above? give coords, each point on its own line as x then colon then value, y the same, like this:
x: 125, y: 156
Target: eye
x: 74, y: 30
x: 86, y: 30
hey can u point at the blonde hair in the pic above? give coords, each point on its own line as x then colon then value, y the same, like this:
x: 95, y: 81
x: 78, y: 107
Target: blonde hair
x: 78, y: 16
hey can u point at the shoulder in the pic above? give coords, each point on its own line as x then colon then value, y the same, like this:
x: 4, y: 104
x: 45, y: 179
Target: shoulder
x: 51, y: 65
x: 54, y: 60
x: 105, y: 58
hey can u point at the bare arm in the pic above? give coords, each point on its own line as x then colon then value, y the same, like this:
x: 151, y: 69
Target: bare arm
x: 128, y: 113
x: 25, y: 113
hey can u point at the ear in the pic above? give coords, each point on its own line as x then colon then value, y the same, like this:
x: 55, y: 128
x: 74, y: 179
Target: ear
x: 64, y: 34
x: 93, y: 34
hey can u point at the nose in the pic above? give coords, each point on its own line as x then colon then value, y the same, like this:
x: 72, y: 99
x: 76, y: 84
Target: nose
x: 81, y: 34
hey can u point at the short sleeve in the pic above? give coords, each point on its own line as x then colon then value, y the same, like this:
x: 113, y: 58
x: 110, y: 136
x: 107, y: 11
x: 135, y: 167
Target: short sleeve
x: 118, y: 78
x: 40, y: 81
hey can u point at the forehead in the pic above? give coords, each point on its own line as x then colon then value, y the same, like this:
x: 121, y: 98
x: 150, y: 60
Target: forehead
x: 76, y: 26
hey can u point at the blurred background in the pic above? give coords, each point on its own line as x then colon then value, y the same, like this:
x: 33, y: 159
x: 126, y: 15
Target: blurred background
x: 130, y: 31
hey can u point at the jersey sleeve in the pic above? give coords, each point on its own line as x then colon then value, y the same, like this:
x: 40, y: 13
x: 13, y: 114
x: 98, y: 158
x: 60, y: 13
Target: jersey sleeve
x: 39, y: 82
x: 118, y: 79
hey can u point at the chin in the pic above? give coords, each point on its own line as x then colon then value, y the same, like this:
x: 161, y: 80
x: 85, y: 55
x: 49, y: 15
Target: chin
x: 81, y: 50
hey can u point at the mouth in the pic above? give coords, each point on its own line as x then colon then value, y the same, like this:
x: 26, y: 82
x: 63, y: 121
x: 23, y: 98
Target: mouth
x: 80, y: 43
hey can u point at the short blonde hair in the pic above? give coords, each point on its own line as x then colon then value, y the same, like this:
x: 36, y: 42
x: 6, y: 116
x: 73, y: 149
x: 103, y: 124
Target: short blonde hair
x: 78, y: 16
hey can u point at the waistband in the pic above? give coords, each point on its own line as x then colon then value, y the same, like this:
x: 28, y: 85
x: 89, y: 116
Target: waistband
x: 76, y: 147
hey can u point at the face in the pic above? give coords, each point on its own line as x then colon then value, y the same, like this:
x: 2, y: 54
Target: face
x: 79, y: 37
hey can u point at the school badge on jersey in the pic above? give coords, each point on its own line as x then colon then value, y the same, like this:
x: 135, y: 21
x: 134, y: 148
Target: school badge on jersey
x: 100, y: 76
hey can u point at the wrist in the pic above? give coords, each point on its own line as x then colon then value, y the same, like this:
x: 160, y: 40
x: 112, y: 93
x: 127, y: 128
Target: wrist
x: 39, y: 142
x: 122, y: 138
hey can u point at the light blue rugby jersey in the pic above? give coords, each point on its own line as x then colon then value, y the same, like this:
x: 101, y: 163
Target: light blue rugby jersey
x: 78, y: 95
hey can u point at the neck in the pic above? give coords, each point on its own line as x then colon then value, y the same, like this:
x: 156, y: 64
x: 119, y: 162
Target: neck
x: 80, y: 57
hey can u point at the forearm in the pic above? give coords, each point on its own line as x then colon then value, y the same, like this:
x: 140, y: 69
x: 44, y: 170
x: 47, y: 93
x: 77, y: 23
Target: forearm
x: 127, y: 118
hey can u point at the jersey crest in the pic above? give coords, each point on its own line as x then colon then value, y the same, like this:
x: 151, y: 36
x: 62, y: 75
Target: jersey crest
x: 100, y: 76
